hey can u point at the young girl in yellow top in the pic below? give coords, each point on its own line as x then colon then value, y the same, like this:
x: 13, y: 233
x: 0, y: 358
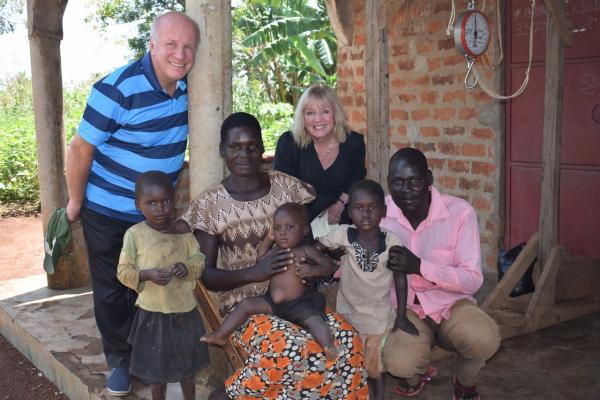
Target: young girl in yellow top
x: 163, y: 269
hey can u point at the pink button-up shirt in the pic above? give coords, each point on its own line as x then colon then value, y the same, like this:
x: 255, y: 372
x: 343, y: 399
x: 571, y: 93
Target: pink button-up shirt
x: 447, y: 242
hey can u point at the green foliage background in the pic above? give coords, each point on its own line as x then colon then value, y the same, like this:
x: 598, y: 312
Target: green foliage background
x: 18, y: 158
x: 280, y: 47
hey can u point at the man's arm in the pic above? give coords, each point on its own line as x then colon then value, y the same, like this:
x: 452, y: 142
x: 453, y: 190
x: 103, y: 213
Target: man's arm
x: 79, y: 161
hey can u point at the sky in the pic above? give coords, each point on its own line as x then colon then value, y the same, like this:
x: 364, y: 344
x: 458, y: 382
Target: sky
x: 84, y: 50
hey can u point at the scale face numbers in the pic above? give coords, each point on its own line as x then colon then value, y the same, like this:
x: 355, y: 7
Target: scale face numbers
x: 472, y: 33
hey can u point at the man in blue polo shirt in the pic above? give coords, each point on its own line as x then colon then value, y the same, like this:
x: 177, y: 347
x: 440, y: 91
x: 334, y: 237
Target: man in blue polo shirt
x: 136, y: 120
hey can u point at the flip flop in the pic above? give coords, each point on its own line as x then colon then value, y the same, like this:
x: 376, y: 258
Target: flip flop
x: 430, y: 373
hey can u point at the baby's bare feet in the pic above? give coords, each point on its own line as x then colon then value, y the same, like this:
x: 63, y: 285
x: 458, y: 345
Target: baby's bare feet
x: 214, y: 338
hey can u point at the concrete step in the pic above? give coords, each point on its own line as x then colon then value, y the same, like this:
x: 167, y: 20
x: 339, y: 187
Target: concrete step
x: 56, y: 330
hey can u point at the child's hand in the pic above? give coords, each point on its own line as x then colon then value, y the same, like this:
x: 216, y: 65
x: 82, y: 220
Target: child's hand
x: 179, y: 270
x: 403, y: 260
x: 334, y: 253
x: 160, y: 276
x: 404, y: 323
x: 305, y: 270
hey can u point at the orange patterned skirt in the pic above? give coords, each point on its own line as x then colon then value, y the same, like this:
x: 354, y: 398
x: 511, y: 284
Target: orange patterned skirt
x: 285, y: 362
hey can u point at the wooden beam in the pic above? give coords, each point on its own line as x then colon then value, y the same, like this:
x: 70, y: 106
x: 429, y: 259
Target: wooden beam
x: 340, y: 17
x: 377, y: 86
x: 544, y: 295
x: 553, y: 108
x: 556, y: 8
x: 553, y: 315
x: 499, y: 295
x: 567, y: 311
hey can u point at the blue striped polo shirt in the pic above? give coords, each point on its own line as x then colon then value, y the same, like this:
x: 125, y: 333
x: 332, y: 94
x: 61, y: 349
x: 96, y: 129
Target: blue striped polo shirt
x: 136, y: 127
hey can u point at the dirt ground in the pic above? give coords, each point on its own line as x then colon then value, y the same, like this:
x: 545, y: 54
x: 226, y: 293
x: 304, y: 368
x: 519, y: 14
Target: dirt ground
x: 21, y: 247
x: 21, y: 255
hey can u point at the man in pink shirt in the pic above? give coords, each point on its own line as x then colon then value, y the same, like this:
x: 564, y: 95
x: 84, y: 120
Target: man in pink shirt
x: 442, y: 258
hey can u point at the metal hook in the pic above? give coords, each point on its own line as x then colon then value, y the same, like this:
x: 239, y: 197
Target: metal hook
x: 470, y: 62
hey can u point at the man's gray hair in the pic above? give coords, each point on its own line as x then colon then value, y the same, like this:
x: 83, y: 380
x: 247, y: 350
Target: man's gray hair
x: 154, y: 27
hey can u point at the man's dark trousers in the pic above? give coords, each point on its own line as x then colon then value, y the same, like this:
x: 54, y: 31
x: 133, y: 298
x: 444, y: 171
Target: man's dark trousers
x: 114, y: 304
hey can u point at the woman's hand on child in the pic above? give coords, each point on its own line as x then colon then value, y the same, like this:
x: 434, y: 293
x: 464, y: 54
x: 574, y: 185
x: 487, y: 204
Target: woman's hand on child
x: 160, y: 276
x: 179, y: 270
x: 276, y: 260
x: 404, y: 324
x: 403, y: 260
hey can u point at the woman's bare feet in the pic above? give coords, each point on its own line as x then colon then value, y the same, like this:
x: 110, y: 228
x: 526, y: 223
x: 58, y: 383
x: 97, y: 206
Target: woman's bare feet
x: 214, y: 338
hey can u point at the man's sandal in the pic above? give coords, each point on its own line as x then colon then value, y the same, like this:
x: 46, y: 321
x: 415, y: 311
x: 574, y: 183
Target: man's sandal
x: 464, y: 392
x: 405, y: 390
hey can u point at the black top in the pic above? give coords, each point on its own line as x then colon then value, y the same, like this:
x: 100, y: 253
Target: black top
x: 304, y: 164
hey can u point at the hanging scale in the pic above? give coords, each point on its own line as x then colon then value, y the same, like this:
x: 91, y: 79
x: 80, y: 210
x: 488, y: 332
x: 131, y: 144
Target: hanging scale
x: 471, y: 37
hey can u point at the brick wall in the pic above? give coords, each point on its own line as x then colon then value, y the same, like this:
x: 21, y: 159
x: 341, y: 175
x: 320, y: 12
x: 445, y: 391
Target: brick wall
x: 458, y: 129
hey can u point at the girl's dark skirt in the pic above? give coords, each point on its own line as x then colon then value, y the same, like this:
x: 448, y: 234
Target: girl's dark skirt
x: 166, y: 347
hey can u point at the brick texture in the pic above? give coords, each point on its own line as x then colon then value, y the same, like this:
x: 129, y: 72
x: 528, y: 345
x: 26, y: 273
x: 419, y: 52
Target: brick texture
x: 430, y: 108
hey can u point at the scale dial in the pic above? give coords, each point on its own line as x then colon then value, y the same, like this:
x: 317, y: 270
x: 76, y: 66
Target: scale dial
x: 472, y: 33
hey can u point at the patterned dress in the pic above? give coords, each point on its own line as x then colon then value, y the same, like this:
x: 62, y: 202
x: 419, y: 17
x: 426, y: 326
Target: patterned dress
x: 284, y: 361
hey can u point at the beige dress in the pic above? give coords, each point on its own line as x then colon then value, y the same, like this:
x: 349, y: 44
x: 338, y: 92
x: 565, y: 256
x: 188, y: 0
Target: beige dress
x: 241, y: 226
x: 364, y: 294
x: 284, y: 361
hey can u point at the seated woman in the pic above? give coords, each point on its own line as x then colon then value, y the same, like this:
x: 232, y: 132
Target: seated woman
x: 233, y: 217
x: 322, y: 151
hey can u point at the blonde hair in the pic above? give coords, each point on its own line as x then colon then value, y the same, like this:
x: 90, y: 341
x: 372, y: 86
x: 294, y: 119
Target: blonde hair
x: 319, y: 94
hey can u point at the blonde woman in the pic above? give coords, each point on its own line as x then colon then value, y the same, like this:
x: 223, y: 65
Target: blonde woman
x: 321, y: 150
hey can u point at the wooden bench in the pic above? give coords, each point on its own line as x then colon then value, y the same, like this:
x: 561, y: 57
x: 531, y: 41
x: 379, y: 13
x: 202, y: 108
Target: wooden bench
x: 206, y: 304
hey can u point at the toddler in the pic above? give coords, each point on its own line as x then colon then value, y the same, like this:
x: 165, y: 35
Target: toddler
x: 288, y: 297
x: 365, y: 281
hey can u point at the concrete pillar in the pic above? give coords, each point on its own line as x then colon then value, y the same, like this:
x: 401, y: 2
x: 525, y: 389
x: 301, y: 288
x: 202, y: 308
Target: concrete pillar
x: 209, y: 85
x: 209, y: 91
x: 44, y: 20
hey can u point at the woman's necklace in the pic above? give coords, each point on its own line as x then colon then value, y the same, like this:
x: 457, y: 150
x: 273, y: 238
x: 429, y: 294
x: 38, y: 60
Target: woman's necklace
x: 323, y: 154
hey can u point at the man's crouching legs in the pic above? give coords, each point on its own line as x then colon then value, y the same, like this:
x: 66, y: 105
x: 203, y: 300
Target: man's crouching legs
x: 407, y: 356
x: 474, y: 335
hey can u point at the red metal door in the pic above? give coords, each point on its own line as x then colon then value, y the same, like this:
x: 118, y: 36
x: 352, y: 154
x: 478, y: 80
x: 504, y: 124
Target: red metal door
x: 579, y: 221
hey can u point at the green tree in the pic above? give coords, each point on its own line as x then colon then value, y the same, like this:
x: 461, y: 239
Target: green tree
x: 9, y: 10
x: 285, y: 44
x: 141, y: 11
